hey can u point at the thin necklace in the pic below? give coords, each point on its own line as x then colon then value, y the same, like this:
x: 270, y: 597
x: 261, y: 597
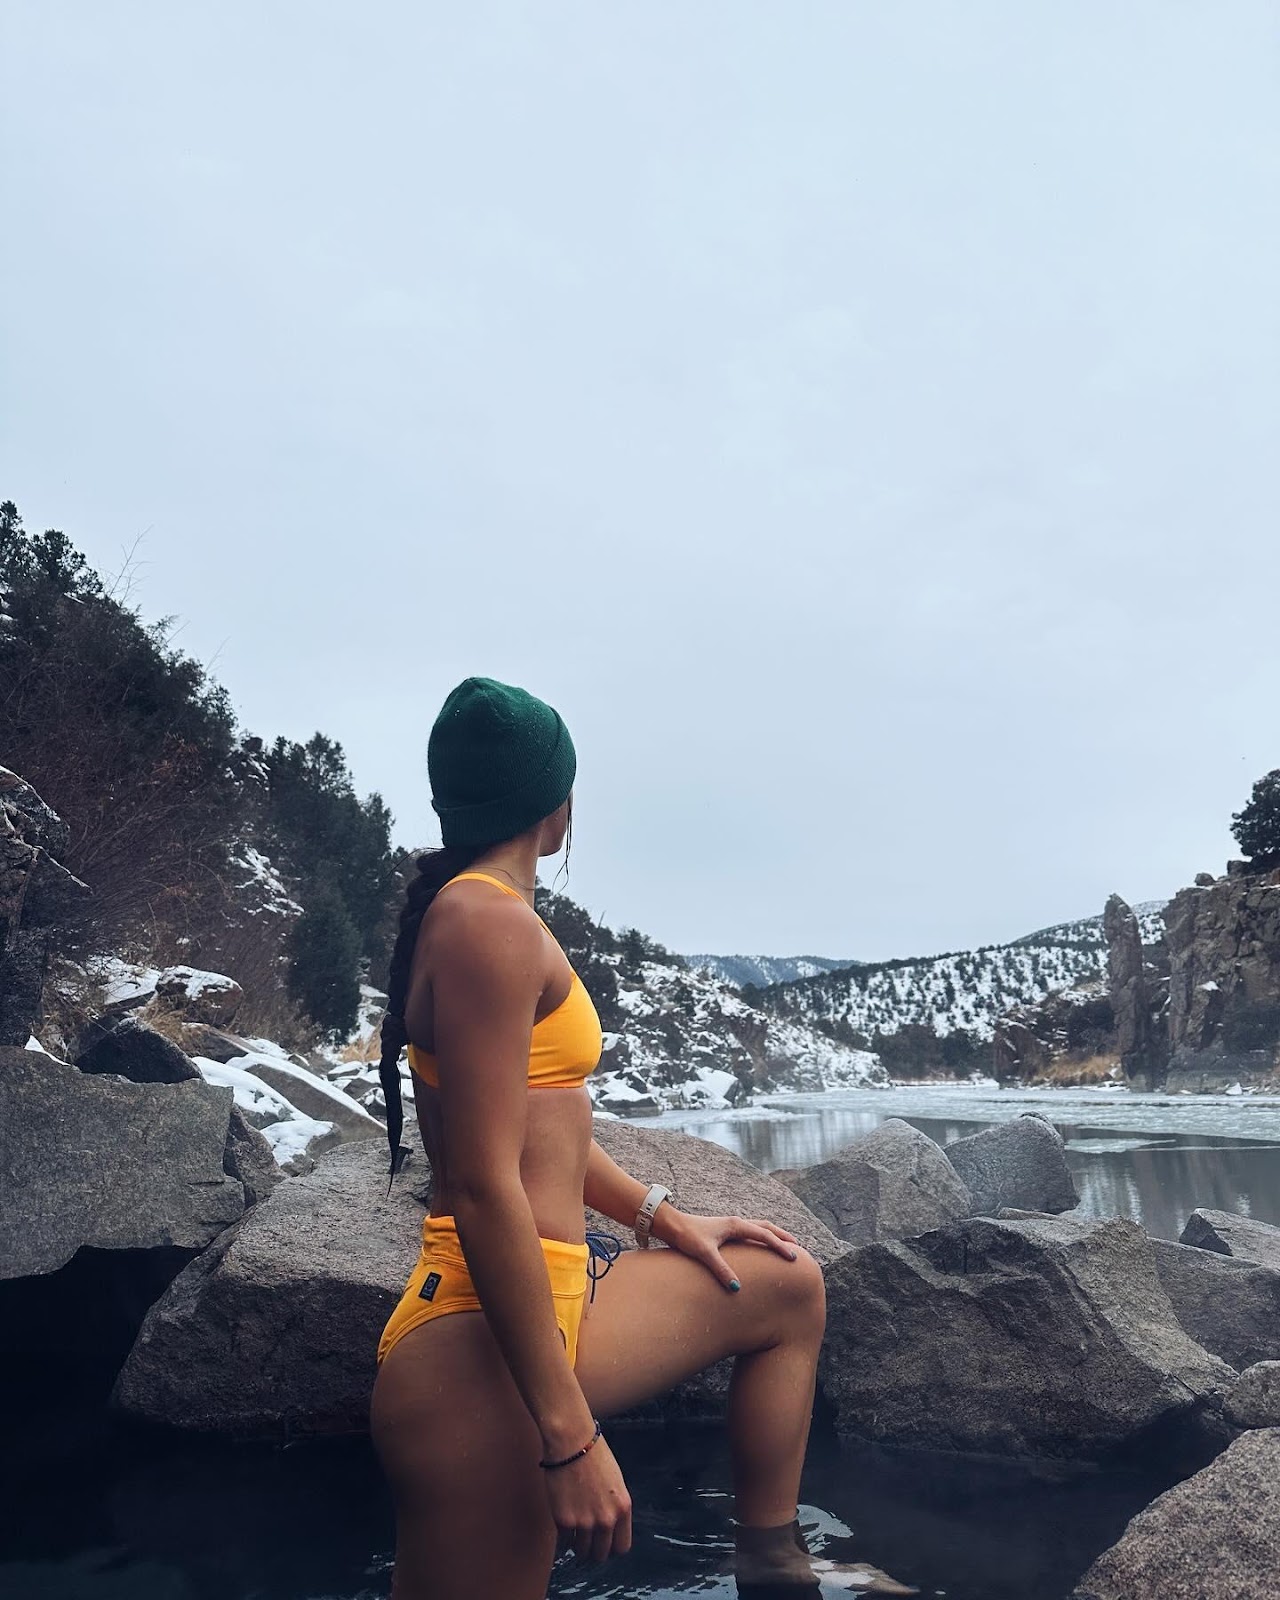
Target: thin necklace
x: 528, y: 888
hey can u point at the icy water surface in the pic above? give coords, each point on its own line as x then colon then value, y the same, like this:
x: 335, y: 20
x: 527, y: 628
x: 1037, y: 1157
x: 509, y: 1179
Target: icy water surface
x: 113, y: 1520
x: 1151, y: 1157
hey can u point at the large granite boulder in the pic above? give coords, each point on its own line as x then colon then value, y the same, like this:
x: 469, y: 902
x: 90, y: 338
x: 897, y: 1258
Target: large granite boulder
x: 1215, y: 1536
x: 37, y: 897
x: 1229, y: 1234
x: 1229, y: 1306
x: 1255, y: 1400
x: 1046, y: 1337
x: 107, y: 1163
x: 275, y: 1328
x: 130, y: 1048
x: 890, y: 1184
x: 249, y: 1157
x: 705, y: 1178
x: 1020, y: 1163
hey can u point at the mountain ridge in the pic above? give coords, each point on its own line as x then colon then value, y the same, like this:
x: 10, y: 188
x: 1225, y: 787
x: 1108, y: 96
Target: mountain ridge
x: 958, y: 991
x: 740, y: 970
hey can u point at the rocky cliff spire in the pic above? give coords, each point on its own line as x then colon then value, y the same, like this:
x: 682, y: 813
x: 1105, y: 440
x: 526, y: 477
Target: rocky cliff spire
x: 1130, y: 999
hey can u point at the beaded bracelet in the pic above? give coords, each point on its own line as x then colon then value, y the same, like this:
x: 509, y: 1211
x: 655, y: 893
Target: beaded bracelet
x: 550, y: 1466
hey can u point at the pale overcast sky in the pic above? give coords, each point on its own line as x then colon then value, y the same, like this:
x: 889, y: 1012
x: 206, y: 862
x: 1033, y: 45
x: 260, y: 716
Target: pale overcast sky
x: 859, y: 419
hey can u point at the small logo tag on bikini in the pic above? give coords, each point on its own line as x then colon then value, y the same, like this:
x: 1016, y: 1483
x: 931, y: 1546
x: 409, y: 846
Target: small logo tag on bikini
x: 429, y: 1287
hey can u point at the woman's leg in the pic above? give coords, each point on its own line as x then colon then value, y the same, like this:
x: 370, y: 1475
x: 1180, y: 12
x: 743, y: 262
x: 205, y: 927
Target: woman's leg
x: 659, y: 1317
x: 460, y: 1453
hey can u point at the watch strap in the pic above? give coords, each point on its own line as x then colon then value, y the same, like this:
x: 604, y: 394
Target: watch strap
x: 648, y: 1208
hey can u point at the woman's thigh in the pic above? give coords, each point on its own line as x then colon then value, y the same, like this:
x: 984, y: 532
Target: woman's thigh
x: 659, y: 1317
x: 460, y: 1453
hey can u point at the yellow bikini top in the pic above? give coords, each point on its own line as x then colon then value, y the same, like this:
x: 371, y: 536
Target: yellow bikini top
x: 565, y: 1044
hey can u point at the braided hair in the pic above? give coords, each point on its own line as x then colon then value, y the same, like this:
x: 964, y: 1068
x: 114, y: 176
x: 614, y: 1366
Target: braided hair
x: 434, y: 871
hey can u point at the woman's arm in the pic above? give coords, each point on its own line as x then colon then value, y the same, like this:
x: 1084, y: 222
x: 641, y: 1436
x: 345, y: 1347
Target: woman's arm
x: 617, y: 1194
x: 489, y: 974
x: 488, y: 978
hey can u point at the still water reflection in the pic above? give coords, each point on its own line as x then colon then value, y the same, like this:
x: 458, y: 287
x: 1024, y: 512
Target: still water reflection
x: 115, y: 1520
x: 1150, y: 1157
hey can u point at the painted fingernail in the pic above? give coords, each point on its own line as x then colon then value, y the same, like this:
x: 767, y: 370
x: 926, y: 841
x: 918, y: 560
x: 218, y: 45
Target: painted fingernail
x: 734, y: 1285
x: 793, y: 1255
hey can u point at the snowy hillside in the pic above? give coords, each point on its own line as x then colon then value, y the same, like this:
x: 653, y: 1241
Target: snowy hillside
x: 672, y: 1036
x: 965, y: 990
x: 686, y: 1038
x: 1088, y: 930
x: 763, y: 970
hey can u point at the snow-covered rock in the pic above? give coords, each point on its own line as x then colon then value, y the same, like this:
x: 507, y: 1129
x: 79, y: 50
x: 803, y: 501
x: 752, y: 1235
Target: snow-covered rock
x: 201, y: 996
x: 295, y: 1138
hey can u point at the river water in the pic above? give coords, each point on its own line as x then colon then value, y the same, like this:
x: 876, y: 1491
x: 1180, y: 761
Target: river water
x: 1151, y: 1157
x: 94, y: 1513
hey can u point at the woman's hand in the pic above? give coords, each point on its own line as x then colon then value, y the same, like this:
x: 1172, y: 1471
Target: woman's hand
x: 701, y: 1238
x: 591, y: 1506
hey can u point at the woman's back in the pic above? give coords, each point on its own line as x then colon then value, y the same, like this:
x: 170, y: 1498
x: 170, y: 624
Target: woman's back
x: 475, y: 919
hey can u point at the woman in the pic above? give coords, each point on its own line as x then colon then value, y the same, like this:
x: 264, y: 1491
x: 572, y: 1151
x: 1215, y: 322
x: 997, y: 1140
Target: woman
x: 496, y: 1365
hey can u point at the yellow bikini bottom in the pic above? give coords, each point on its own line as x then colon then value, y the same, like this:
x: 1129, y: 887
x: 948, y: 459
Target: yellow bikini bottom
x: 440, y: 1284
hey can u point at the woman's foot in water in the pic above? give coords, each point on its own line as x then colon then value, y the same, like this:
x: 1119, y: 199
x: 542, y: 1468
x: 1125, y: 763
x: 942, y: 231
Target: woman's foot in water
x: 775, y: 1564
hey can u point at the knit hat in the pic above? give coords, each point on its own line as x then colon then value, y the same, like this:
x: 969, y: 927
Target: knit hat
x: 499, y: 760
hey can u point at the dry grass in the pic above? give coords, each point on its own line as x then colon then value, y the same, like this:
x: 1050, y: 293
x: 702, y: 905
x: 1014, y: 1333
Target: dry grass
x: 1069, y: 1073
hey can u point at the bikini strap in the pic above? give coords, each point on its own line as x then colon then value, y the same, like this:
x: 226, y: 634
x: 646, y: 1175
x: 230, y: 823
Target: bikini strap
x: 485, y: 878
x: 498, y: 884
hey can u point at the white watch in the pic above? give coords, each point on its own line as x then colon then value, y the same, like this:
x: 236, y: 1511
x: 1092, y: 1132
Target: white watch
x: 644, y: 1217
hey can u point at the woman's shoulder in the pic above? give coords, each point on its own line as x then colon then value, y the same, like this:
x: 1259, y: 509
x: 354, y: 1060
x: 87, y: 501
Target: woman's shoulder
x: 471, y: 922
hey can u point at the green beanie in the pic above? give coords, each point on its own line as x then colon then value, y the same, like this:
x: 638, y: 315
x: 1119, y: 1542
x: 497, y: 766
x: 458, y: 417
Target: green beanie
x: 499, y: 760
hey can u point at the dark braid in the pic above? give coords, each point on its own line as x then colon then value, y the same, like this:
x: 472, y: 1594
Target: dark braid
x: 434, y: 871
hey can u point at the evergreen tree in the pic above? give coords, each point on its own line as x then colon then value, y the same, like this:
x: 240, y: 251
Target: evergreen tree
x: 634, y: 948
x: 124, y: 736
x: 324, y: 834
x: 1257, y: 828
x: 324, y: 962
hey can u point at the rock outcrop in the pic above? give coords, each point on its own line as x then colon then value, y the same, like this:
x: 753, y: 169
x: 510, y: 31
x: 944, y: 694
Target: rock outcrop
x: 1223, y: 939
x: 37, y: 895
x: 97, y: 1161
x: 1230, y: 1307
x: 1020, y: 1163
x: 274, y: 1329
x: 1137, y: 1037
x: 1075, y: 1026
x: 1045, y: 1337
x: 127, y: 1047
x: 249, y: 1158
x: 201, y: 997
x: 1255, y: 1400
x: 889, y: 1184
x: 1229, y: 1234
x: 1215, y: 1536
